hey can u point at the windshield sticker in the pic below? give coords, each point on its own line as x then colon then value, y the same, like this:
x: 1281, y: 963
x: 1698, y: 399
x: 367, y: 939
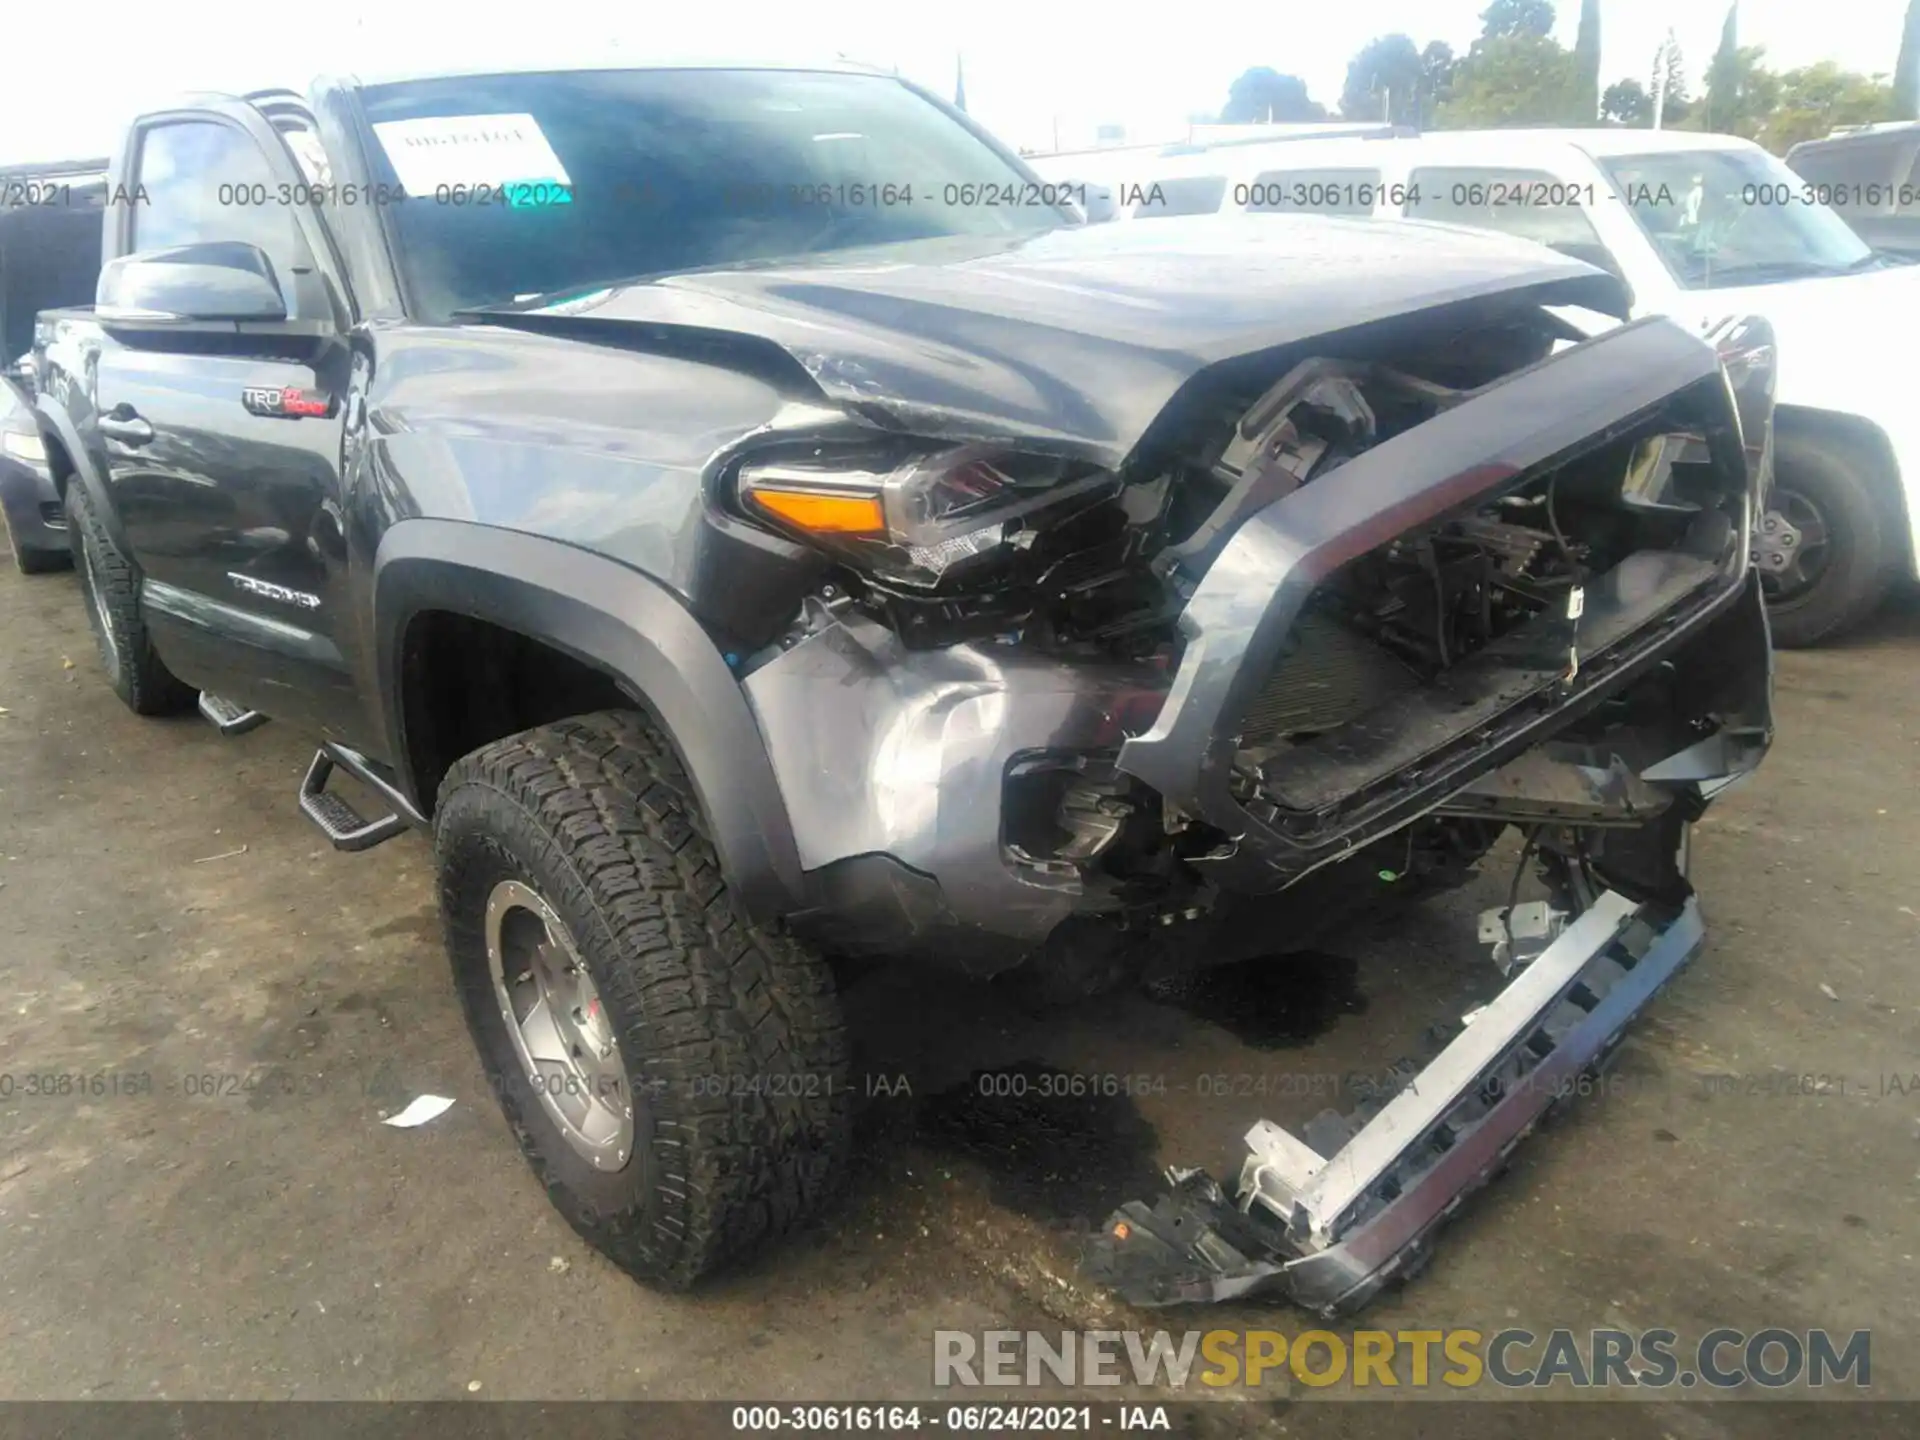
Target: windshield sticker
x: 437, y: 152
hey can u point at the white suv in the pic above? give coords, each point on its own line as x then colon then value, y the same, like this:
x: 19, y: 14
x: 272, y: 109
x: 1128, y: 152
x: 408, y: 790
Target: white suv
x: 1701, y: 228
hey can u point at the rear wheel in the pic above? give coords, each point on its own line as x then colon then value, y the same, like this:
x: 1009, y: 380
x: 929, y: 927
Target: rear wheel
x: 676, y: 1075
x: 110, y: 583
x: 1838, y: 567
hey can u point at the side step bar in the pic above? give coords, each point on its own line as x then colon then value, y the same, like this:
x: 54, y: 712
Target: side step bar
x: 228, y: 718
x: 1330, y: 1219
x: 344, y: 825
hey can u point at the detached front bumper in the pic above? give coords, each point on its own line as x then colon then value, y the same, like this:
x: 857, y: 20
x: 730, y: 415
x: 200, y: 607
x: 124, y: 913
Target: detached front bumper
x: 1329, y: 1230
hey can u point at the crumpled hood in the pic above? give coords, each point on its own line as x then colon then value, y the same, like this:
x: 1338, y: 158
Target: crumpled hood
x: 1079, y: 335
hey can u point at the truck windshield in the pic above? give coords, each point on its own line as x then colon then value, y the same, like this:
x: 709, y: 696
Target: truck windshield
x: 525, y: 185
x: 1733, y: 217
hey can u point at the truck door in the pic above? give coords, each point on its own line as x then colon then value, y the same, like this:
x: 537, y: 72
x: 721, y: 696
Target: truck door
x: 223, y: 452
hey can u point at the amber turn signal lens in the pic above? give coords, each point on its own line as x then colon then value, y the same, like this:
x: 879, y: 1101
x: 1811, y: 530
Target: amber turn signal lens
x: 824, y: 514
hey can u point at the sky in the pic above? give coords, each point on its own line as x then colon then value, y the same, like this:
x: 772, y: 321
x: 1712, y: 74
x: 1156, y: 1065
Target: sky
x: 1033, y: 70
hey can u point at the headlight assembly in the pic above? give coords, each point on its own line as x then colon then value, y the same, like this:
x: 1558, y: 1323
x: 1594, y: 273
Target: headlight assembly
x: 917, y: 518
x: 24, y: 445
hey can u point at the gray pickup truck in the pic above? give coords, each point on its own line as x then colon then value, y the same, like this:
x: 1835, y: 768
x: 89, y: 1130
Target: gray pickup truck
x: 745, y: 517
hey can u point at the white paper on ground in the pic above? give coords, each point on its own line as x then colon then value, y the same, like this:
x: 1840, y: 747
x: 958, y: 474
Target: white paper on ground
x: 468, y: 150
x: 419, y: 1111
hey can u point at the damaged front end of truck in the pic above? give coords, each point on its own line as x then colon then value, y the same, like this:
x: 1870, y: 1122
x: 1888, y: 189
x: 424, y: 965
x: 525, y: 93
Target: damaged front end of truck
x: 1630, y: 684
x: 1338, y: 612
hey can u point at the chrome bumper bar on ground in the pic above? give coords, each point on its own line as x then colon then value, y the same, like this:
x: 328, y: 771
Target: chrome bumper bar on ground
x: 1328, y: 1230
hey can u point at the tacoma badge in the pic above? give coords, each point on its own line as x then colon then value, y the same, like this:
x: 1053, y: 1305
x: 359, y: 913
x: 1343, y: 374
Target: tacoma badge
x: 267, y: 590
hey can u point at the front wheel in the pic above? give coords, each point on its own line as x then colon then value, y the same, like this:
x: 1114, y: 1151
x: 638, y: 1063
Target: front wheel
x: 110, y: 584
x: 1837, y: 568
x: 676, y: 1075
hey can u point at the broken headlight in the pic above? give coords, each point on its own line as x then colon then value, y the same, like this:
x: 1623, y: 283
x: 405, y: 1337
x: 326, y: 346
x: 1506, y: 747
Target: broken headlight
x: 915, y: 519
x: 24, y: 445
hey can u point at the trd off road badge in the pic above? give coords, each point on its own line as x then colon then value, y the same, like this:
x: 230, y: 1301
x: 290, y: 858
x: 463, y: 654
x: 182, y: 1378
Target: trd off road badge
x: 286, y: 402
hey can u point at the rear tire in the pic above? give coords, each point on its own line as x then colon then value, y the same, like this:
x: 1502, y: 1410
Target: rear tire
x: 725, y: 1041
x: 110, y: 583
x: 1842, y: 572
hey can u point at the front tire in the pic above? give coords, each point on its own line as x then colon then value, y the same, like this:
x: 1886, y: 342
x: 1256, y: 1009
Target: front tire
x: 574, y: 876
x: 110, y: 583
x: 1842, y: 565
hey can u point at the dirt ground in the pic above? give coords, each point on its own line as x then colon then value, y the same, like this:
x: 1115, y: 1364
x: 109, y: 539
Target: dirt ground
x: 248, y: 1229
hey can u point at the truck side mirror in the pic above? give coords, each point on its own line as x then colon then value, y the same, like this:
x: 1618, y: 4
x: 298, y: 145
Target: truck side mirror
x: 191, y: 284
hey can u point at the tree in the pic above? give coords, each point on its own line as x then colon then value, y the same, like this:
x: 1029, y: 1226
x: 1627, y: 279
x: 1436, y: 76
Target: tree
x: 1505, y: 18
x: 1385, y: 80
x: 1264, y: 94
x: 1670, y: 82
x: 1437, y: 69
x: 1816, y: 98
x: 1522, y: 79
x: 1906, y: 69
x: 1724, y: 72
x: 1741, y: 93
x: 1627, y: 103
x: 1586, y: 56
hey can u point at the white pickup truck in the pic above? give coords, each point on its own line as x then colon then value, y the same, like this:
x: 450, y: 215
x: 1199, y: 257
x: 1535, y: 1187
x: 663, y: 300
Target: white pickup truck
x: 1700, y: 227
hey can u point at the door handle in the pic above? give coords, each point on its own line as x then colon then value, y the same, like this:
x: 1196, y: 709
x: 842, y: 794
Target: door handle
x: 128, y: 431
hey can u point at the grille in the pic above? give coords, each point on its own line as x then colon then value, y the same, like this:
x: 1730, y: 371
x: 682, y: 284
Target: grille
x: 1328, y: 675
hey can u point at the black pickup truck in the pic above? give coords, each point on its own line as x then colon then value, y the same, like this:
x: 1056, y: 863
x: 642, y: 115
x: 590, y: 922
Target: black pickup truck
x: 749, y: 520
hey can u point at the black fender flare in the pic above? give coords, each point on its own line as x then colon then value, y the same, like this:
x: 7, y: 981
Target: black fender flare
x: 85, y: 474
x: 620, y: 622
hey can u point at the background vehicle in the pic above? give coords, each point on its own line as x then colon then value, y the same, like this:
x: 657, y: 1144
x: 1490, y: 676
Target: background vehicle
x: 1700, y: 227
x: 1191, y: 178
x: 49, y: 244
x: 1871, y: 178
x: 29, y: 500
x: 49, y: 255
x: 733, y: 565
